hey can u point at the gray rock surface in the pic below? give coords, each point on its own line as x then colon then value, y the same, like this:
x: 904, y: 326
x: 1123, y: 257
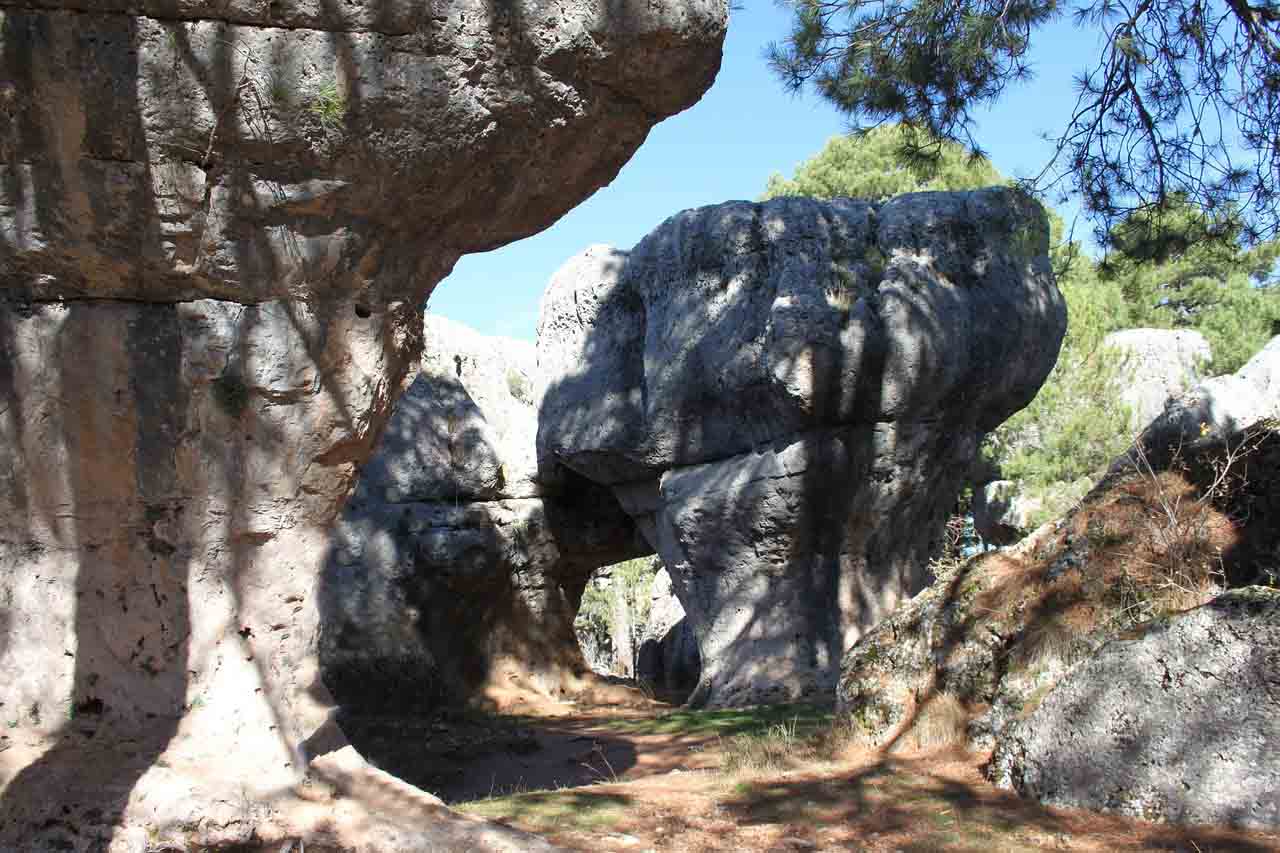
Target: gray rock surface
x: 1180, y: 724
x: 786, y: 396
x: 1219, y: 408
x: 1001, y: 513
x: 1158, y: 364
x: 217, y: 222
x: 668, y: 654
x: 452, y: 568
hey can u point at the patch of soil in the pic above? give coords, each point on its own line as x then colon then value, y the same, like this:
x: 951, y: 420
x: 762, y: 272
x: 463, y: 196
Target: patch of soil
x: 536, y: 743
x: 866, y: 802
x: 636, y: 774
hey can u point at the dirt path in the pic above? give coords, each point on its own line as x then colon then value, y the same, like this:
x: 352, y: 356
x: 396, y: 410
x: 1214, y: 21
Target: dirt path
x: 533, y: 744
x: 868, y: 803
x: 634, y: 774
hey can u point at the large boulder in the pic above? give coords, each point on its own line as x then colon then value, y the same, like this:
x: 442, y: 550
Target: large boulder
x: 453, y: 571
x: 217, y: 222
x: 1156, y: 364
x: 1180, y: 723
x: 979, y: 654
x: 787, y: 395
x: 1222, y: 407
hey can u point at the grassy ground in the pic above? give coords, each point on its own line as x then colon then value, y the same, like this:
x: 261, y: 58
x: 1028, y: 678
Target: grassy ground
x: 783, y: 778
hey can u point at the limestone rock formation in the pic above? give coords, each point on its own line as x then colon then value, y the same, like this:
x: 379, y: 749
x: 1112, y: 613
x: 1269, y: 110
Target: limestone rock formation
x: 217, y: 222
x: 786, y: 396
x: 1222, y: 406
x: 668, y: 654
x: 1001, y: 513
x: 452, y: 568
x: 987, y: 643
x: 1179, y: 724
x: 1158, y: 364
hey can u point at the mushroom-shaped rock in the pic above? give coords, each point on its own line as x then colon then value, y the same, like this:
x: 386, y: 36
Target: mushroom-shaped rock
x: 787, y: 396
x: 218, y: 221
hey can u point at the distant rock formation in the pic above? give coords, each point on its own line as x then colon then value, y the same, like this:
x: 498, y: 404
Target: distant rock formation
x: 218, y: 222
x: 452, y: 568
x: 1158, y: 364
x: 1221, y: 407
x: 668, y: 654
x: 786, y: 397
x: 1001, y: 513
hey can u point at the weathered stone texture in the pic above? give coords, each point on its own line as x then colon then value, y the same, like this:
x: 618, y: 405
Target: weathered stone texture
x: 217, y: 223
x: 1180, y: 724
x: 1001, y: 513
x: 1157, y: 364
x: 452, y: 568
x: 786, y: 395
x: 668, y: 648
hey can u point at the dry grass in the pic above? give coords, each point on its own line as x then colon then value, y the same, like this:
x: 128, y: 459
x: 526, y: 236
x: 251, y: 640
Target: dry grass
x: 1148, y: 542
x: 940, y: 721
x: 935, y: 801
x: 1148, y: 546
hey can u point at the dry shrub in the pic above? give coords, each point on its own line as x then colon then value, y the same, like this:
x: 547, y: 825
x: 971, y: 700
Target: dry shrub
x: 939, y: 720
x: 1145, y: 544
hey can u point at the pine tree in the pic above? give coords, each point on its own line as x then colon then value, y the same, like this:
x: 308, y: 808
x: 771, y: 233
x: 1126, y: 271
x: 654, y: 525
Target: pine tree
x: 1184, y: 97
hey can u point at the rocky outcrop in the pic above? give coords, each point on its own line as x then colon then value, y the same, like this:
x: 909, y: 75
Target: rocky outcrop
x: 1179, y: 724
x: 668, y: 654
x: 994, y: 639
x: 1223, y: 406
x: 217, y: 223
x: 786, y: 397
x: 1001, y: 513
x: 1157, y: 364
x: 453, y: 570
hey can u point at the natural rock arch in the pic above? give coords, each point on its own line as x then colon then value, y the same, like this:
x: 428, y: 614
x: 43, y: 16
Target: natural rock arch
x: 787, y: 397
x: 217, y: 223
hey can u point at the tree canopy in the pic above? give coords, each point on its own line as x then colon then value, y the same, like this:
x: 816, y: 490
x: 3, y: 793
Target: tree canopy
x: 1182, y: 101
x: 870, y: 166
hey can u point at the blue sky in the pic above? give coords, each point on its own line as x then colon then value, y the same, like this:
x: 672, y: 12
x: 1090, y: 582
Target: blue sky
x: 725, y: 147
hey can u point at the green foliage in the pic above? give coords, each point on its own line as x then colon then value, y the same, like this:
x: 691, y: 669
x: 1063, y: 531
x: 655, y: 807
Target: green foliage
x: 1073, y: 428
x: 1179, y: 267
x: 628, y: 585
x: 876, y: 165
x: 1180, y: 99
x: 519, y: 386
x: 329, y: 106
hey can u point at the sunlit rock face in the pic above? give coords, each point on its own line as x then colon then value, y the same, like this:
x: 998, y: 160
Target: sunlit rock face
x: 454, y: 570
x: 786, y: 396
x: 1176, y: 724
x: 218, y: 222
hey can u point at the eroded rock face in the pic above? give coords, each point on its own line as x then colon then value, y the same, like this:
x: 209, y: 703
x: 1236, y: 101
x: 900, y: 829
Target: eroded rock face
x: 1001, y: 513
x: 1158, y: 364
x: 1181, y: 724
x: 453, y: 569
x: 1223, y: 406
x: 668, y: 654
x: 786, y: 396
x: 217, y: 223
